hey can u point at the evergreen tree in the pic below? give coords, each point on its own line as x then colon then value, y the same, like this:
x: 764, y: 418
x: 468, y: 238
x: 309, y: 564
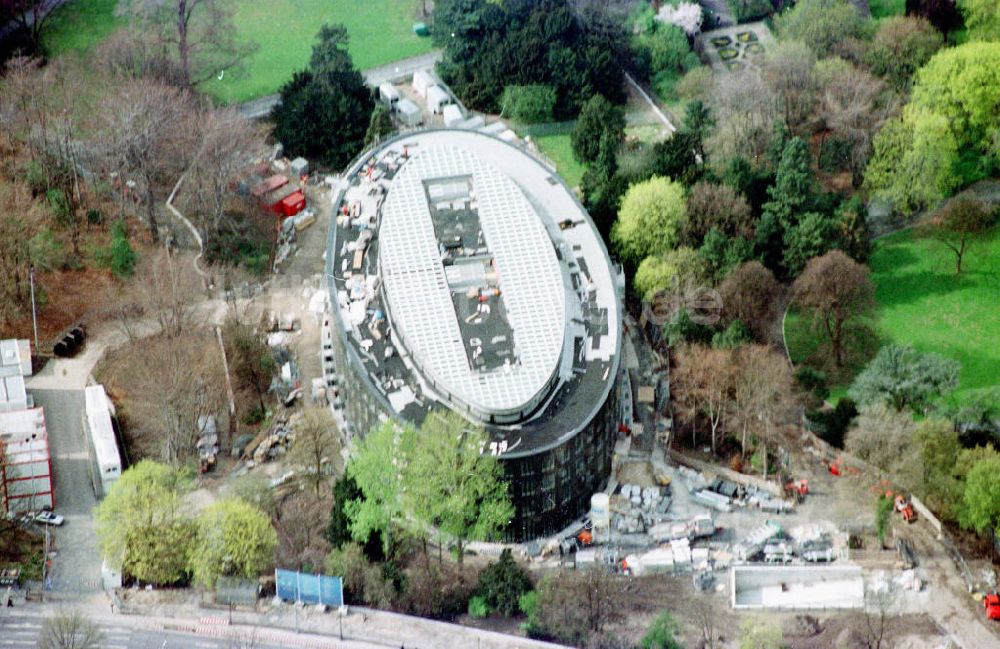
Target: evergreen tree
x: 324, y: 111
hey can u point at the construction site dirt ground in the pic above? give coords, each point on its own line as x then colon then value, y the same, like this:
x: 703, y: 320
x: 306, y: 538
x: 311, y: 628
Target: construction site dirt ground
x: 942, y: 611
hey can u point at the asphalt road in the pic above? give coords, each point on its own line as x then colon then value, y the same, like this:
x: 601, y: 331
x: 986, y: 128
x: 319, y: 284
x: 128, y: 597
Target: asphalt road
x: 23, y: 631
x: 76, y: 567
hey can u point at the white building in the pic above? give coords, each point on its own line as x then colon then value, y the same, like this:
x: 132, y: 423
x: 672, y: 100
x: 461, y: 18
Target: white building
x: 15, y: 364
x: 25, y: 464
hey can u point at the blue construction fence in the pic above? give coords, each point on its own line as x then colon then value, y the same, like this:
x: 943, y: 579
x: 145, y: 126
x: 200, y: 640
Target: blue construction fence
x: 303, y: 587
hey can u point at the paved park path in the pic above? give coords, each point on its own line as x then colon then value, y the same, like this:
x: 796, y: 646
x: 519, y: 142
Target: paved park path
x: 257, y: 108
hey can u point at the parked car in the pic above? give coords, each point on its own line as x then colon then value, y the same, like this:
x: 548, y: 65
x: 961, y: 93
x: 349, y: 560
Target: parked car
x: 49, y: 518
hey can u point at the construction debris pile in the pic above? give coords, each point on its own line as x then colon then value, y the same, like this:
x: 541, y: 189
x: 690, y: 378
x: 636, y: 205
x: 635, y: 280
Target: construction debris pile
x: 275, y: 441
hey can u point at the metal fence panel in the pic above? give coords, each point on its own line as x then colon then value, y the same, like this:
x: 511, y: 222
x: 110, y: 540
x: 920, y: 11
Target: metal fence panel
x: 310, y: 589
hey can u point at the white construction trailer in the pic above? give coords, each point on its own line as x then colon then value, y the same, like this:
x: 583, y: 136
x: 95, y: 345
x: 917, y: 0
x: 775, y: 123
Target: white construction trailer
x: 409, y: 113
x: 422, y: 80
x: 105, y: 461
x: 388, y: 94
x: 437, y: 99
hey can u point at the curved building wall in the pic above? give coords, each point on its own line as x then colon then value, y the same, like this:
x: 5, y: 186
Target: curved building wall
x: 550, y: 485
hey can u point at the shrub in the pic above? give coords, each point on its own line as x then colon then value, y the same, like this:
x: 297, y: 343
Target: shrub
x: 831, y: 425
x: 350, y: 564
x: 119, y: 257
x: 528, y: 604
x: 528, y: 104
x: 433, y: 590
x: 478, y: 607
x: 502, y: 584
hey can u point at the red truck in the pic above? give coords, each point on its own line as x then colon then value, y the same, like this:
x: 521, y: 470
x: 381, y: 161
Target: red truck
x: 279, y: 196
x: 992, y: 605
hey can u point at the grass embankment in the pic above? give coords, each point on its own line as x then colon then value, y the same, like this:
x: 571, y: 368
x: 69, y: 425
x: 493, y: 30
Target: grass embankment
x: 285, y: 30
x: 922, y: 302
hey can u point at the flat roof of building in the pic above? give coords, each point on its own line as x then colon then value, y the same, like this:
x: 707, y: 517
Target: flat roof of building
x: 465, y: 272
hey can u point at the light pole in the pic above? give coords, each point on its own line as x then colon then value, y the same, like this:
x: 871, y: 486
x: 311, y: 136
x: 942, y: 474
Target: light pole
x: 34, y: 318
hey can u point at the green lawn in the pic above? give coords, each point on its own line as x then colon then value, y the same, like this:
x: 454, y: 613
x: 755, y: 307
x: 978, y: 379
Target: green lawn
x: 558, y: 148
x: 380, y: 31
x: 923, y: 303
x: 79, y: 25
x: 886, y: 8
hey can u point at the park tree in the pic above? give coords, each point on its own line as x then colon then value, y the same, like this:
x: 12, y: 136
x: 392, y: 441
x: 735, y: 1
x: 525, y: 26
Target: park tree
x: 598, y: 119
x: 338, y: 528
x: 943, y: 14
x: 982, y: 18
x: 675, y: 271
x: 325, y: 110
x: 838, y: 294
x: 813, y: 235
x: 705, y: 378
x: 722, y: 253
x: 939, y: 447
x: 913, y: 161
x: 788, y: 70
x: 142, y: 525
x: 452, y: 484
x: 959, y: 225
x: 650, y: 220
x: 980, y: 508
x: 711, y: 205
x: 662, y: 633
x: 235, y: 539
x: 379, y: 125
x: 502, y: 583
x: 316, y: 450
x: 528, y: 104
x: 903, y: 378
x: 900, y: 47
x: 377, y: 468
x: 750, y: 294
x: 201, y: 32
x: 963, y: 85
x: 491, y: 45
x: 820, y: 24
x: 794, y: 184
x: 70, y: 630
x: 29, y: 18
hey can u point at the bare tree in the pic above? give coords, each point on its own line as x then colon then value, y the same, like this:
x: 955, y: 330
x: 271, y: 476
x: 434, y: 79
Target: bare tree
x: 227, y: 145
x: 70, y: 630
x: 838, y: 292
x: 317, y: 447
x: 853, y: 106
x: 200, y: 31
x: 788, y: 72
x: 706, y: 377
x: 744, y: 108
x: 879, y: 609
x: 706, y: 617
x: 140, y: 138
x: 299, y: 522
x: 577, y: 605
x: 135, y: 54
x: 167, y: 386
x: 20, y: 218
x: 763, y: 401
